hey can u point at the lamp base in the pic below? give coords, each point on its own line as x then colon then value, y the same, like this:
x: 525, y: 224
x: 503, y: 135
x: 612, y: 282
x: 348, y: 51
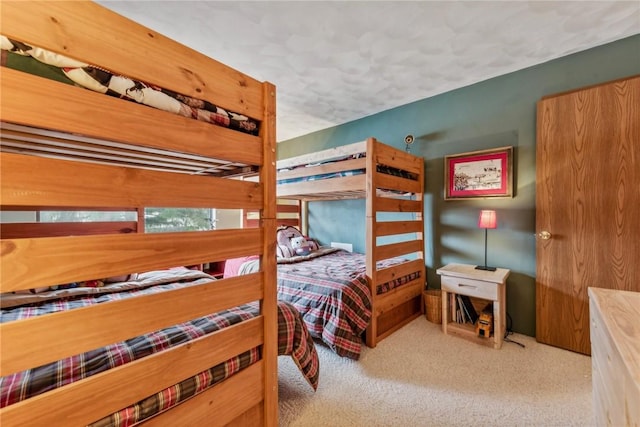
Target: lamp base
x: 485, y: 268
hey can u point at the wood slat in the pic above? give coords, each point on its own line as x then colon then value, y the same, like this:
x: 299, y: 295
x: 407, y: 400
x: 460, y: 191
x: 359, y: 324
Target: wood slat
x: 50, y: 229
x: 251, y: 223
x: 286, y: 208
x: 220, y: 404
x: 62, y: 141
x: 398, y: 317
x: 134, y: 381
x: 342, y: 166
x: 252, y: 416
x: 390, y: 156
x: 391, y: 182
x: 80, y: 111
x: 354, y: 183
x: 389, y: 228
x: 48, y: 143
x: 63, y: 183
x: 104, y: 154
x: 385, y: 275
x: 398, y: 249
x: 284, y: 212
x: 72, y: 259
x: 63, y: 28
x: 388, y: 204
x: 69, y: 208
x: 397, y: 297
x: 44, y: 339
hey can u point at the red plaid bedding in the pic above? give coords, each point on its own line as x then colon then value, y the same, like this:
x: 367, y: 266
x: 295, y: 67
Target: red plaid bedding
x: 332, y: 294
x: 293, y: 340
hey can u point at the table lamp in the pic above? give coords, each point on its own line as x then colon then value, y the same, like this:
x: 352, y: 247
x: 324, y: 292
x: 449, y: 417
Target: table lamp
x: 486, y: 220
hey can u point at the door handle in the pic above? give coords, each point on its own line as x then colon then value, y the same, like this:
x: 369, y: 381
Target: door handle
x: 544, y: 235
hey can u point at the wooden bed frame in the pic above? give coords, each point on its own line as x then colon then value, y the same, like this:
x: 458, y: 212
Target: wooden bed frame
x: 287, y: 213
x: 393, y: 309
x: 38, y: 112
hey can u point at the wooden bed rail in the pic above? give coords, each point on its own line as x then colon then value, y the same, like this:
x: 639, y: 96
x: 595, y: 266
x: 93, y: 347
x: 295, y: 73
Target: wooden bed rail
x: 43, y: 229
x: 287, y: 214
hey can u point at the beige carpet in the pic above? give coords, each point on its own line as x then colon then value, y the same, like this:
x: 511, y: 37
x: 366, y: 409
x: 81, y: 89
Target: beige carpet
x: 420, y: 377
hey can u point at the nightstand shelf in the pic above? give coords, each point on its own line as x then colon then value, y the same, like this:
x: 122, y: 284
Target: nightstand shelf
x: 482, y: 286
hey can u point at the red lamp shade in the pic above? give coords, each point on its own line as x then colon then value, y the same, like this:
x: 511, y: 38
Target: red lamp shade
x: 487, y: 219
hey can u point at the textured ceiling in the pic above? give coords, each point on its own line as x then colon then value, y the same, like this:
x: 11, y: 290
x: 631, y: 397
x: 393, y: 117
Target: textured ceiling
x: 337, y: 61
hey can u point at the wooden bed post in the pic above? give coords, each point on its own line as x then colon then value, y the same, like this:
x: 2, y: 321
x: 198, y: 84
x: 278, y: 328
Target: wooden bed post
x: 269, y: 224
x: 370, y: 243
x: 140, y: 225
x: 304, y: 216
x: 394, y: 309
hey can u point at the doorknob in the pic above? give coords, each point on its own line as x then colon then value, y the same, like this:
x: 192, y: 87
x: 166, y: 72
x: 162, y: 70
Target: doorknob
x: 544, y: 235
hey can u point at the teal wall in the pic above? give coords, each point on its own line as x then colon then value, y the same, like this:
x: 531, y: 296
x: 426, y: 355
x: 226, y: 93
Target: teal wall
x: 493, y: 113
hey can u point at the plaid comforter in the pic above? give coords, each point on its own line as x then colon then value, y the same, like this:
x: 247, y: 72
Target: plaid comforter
x: 332, y: 294
x: 293, y: 340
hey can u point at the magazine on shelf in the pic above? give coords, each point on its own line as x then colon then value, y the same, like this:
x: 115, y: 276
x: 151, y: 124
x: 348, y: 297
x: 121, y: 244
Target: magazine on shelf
x: 467, y: 311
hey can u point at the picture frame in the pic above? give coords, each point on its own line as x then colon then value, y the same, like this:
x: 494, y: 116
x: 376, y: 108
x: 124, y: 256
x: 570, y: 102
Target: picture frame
x: 479, y: 174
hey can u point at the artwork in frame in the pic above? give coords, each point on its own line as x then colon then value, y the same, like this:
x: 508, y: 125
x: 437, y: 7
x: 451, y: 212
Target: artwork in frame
x: 479, y: 174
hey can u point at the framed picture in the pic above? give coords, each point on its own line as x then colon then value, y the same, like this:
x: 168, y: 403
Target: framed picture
x: 479, y: 174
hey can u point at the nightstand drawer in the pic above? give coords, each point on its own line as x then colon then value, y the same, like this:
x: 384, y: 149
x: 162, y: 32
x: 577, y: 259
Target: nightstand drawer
x: 473, y: 288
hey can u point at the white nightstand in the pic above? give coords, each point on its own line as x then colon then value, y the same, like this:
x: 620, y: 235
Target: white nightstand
x: 464, y: 279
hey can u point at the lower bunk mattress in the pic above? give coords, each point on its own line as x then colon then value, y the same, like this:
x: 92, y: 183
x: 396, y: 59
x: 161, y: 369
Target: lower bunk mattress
x: 329, y: 287
x: 293, y: 340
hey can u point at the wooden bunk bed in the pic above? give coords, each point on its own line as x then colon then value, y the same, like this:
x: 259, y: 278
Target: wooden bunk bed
x: 64, y: 147
x: 391, y: 181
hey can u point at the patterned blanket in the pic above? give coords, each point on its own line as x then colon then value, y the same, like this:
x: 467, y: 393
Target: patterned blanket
x: 333, y: 295
x: 329, y: 288
x: 293, y: 340
x: 38, y: 61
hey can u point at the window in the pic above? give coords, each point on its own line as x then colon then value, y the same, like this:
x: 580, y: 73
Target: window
x: 163, y: 220
x: 156, y: 220
x: 85, y: 216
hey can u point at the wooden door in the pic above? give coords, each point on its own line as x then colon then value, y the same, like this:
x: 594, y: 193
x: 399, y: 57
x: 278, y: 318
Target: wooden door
x: 588, y: 200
